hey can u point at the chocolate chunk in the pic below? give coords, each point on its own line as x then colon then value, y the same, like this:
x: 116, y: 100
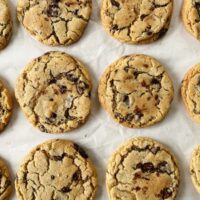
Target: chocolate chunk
x: 52, y: 81
x: 137, y: 188
x: 67, y: 116
x: 72, y: 78
x: 80, y: 151
x: 143, y: 16
x: 135, y: 74
x: 144, y: 84
x: 129, y: 117
x: 115, y: 3
x: 81, y: 87
x: 165, y: 193
x: 42, y: 128
x: 155, y: 81
x: 146, y: 167
x: 59, y: 158
x: 145, y: 65
x: 75, y: 176
x: 53, y: 10
x: 65, y: 189
x: 162, y: 167
x: 63, y: 89
x: 115, y: 27
x: 155, y: 150
x: 138, y: 113
x: 52, y: 118
x: 52, y: 177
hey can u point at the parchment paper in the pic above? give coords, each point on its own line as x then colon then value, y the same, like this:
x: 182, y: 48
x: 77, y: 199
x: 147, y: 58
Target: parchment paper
x: 178, y: 51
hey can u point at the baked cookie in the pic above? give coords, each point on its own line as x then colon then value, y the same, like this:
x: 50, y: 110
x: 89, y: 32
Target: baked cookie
x: 142, y: 169
x: 5, y: 24
x: 5, y: 181
x: 6, y: 106
x: 54, y: 92
x: 54, y: 22
x: 191, y: 17
x: 195, y: 168
x: 56, y: 169
x: 136, y: 21
x: 136, y: 91
x: 190, y: 91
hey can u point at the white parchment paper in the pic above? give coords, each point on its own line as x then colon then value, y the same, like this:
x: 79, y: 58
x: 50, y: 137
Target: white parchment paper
x: 178, y: 51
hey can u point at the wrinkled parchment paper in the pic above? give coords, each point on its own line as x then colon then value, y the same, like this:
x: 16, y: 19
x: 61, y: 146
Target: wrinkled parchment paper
x: 178, y: 51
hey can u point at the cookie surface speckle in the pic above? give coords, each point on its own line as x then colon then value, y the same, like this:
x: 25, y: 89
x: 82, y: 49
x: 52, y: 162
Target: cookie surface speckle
x: 54, y: 22
x: 136, y: 21
x: 6, y: 106
x: 5, y: 181
x: 142, y: 169
x: 54, y: 92
x: 56, y: 169
x: 136, y: 91
x: 5, y: 24
x: 190, y: 91
x: 191, y: 17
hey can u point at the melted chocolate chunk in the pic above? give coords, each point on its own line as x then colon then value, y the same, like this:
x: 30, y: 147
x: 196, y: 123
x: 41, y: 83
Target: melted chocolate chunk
x: 52, y: 177
x: 52, y: 81
x: 115, y: 3
x: 115, y: 27
x: 137, y: 188
x: 162, y: 167
x: 126, y: 100
x: 138, y: 113
x: 80, y: 151
x: 75, y: 176
x: 155, y: 81
x: 165, y: 193
x: 65, y: 189
x: 53, y: 10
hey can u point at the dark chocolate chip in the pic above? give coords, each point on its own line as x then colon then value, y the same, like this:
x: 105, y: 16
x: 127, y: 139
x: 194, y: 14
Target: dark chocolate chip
x: 63, y: 89
x: 53, y: 10
x: 75, y: 176
x: 65, y: 189
x: 115, y: 3
x: 144, y: 84
x: 126, y: 100
x: 81, y: 87
x: 136, y: 73
x: 80, y: 151
x: 165, y: 193
x: 162, y: 167
x: 138, y: 112
x: 147, y: 167
x: 129, y: 117
x: 42, y: 128
x: 72, y: 78
x: 52, y: 81
x: 155, y: 81
x: 52, y: 177
x: 115, y: 27
x: 137, y: 188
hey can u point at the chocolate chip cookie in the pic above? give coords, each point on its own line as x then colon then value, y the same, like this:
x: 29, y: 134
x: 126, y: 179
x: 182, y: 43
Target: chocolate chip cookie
x: 191, y: 17
x: 54, y: 92
x: 5, y: 24
x: 136, y: 21
x: 55, y: 22
x: 195, y: 168
x: 142, y: 169
x: 5, y: 181
x: 190, y: 91
x: 6, y: 106
x: 56, y: 169
x: 136, y: 91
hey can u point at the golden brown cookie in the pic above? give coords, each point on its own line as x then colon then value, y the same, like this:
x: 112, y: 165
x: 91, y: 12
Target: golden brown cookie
x: 190, y: 91
x: 5, y: 181
x: 54, y: 92
x: 55, y: 22
x: 6, y: 106
x: 191, y: 17
x: 5, y: 24
x: 142, y: 169
x: 136, y: 91
x: 136, y: 21
x: 56, y: 169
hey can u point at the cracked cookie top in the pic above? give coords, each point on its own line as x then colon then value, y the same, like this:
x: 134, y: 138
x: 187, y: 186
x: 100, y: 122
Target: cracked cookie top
x: 191, y: 16
x: 56, y: 170
x: 5, y: 182
x: 136, y: 21
x: 136, y: 91
x: 190, y: 91
x: 5, y: 24
x: 142, y: 169
x: 195, y: 168
x: 6, y: 106
x: 54, y: 92
x: 55, y: 22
